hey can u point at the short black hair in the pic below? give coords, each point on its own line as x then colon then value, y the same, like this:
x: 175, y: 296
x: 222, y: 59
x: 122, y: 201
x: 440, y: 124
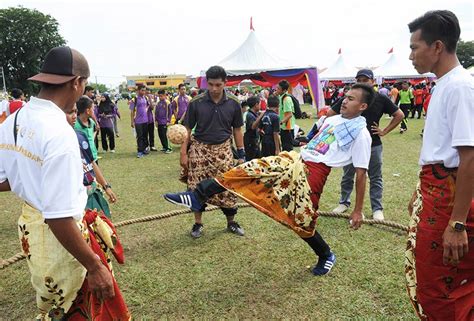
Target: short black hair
x: 88, y: 88
x: 368, y: 93
x: 244, y: 104
x: 83, y: 104
x: 216, y: 72
x: 161, y: 92
x: 273, y: 101
x: 16, y: 93
x: 181, y: 86
x: 252, y: 101
x: 284, y: 84
x: 140, y: 87
x: 436, y: 25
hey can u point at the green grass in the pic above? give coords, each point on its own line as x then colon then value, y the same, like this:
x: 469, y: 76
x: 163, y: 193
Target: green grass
x: 263, y: 275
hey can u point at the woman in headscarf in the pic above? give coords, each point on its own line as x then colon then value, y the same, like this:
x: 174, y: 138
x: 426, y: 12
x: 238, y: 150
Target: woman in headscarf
x: 106, y: 115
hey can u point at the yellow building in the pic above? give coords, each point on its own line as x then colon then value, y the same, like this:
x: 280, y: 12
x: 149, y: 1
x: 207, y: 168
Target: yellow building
x: 155, y: 81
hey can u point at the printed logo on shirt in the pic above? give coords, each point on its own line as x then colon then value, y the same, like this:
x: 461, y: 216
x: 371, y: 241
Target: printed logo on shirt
x: 85, y: 145
x: 320, y: 143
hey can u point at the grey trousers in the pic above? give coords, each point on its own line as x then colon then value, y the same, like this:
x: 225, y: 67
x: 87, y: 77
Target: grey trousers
x: 375, y: 177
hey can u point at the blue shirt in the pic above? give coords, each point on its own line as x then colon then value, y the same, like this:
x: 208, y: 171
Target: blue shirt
x: 87, y: 158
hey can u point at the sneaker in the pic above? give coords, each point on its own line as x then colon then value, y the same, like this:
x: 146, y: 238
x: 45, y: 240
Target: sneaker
x: 163, y: 150
x: 140, y: 155
x: 168, y: 151
x: 341, y: 208
x: 378, y: 215
x: 187, y: 199
x: 153, y: 149
x: 112, y: 151
x: 117, y: 135
x: 324, y: 265
x: 196, y: 231
x: 146, y: 151
x: 235, y: 228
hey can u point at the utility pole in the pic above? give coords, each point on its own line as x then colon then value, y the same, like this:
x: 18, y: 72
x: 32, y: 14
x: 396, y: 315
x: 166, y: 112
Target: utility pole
x: 3, y: 81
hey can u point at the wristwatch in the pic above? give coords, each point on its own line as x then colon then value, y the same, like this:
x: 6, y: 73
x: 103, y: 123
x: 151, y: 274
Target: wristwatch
x: 457, y: 226
x: 107, y: 186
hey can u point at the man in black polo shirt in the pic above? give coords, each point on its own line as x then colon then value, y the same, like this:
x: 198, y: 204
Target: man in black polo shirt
x: 382, y: 105
x: 252, y: 121
x: 215, y: 117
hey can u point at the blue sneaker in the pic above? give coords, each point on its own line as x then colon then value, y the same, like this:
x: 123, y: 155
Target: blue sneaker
x: 324, y: 265
x: 187, y: 199
x: 140, y: 155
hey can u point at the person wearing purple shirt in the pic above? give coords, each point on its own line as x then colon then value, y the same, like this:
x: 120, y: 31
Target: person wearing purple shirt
x: 180, y: 103
x: 105, y: 119
x: 151, y: 123
x: 163, y: 114
x: 114, y: 120
x: 139, y: 119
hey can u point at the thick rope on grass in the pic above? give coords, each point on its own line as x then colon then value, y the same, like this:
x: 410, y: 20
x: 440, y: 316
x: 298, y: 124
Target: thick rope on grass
x: 20, y: 256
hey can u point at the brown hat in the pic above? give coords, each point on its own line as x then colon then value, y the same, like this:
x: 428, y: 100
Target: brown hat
x: 61, y: 65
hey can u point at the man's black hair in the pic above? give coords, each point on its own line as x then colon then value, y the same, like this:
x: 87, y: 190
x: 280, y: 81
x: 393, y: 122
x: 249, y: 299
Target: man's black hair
x: 244, y: 104
x: 88, y: 88
x: 216, y: 72
x: 273, y: 101
x: 16, y: 93
x: 140, y: 87
x: 368, y: 93
x: 252, y: 101
x: 284, y: 84
x: 181, y: 85
x: 83, y: 104
x: 161, y: 92
x: 436, y: 25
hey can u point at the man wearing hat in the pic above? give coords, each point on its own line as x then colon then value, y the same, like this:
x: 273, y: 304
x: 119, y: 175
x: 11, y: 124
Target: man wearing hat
x: 44, y: 168
x: 382, y: 105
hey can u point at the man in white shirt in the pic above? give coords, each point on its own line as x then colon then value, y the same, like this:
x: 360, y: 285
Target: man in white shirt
x: 287, y: 187
x: 440, y: 256
x: 40, y: 162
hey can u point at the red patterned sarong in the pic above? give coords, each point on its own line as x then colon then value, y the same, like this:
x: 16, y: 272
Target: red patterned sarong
x: 438, y: 291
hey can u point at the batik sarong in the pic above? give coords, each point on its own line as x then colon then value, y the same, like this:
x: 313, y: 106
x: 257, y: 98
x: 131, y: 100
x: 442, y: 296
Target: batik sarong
x: 208, y: 161
x: 96, y: 200
x: 60, y: 282
x: 438, y: 291
x: 282, y: 187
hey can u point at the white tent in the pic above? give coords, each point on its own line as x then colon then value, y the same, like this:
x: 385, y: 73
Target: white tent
x: 339, y: 70
x: 396, y: 68
x: 251, y: 57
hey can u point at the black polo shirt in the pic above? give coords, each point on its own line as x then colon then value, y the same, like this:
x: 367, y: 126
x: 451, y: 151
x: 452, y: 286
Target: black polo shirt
x: 213, y: 123
x: 382, y: 105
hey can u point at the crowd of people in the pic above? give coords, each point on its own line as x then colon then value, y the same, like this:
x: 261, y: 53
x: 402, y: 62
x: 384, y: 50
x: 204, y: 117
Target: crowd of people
x: 71, y: 217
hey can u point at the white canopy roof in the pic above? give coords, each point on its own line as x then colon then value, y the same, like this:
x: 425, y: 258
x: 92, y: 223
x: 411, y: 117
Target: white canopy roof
x: 395, y: 68
x: 339, y: 71
x: 251, y: 57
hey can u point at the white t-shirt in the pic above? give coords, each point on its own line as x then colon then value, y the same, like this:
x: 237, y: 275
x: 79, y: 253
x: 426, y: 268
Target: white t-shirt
x: 45, y: 167
x: 323, y: 148
x: 450, y: 119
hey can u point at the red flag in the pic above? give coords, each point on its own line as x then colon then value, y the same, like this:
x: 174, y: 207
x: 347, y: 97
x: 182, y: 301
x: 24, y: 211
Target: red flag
x: 251, y: 24
x: 340, y: 51
x: 390, y: 51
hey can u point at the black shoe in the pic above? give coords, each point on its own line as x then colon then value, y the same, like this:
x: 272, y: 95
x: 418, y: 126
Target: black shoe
x: 235, y: 228
x: 196, y: 231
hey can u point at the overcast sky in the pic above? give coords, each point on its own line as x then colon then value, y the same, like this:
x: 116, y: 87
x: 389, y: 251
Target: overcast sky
x: 161, y: 37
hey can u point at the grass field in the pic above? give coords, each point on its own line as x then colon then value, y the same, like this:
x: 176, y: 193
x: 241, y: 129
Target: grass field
x: 264, y: 275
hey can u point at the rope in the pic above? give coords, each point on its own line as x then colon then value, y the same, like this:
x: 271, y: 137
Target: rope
x: 20, y: 256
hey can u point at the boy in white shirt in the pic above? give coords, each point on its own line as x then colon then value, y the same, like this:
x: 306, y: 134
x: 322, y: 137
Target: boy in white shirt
x: 287, y: 187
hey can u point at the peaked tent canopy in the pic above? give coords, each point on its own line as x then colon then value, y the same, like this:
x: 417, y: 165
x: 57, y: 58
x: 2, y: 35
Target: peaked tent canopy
x: 251, y: 61
x: 396, y: 68
x: 339, y: 70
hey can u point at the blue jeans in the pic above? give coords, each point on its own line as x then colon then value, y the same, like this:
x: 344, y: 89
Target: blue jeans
x: 375, y: 177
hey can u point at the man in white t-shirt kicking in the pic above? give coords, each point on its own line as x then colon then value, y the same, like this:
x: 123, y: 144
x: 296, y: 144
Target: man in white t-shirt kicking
x: 41, y: 164
x: 440, y: 252
x: 287, y: 187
